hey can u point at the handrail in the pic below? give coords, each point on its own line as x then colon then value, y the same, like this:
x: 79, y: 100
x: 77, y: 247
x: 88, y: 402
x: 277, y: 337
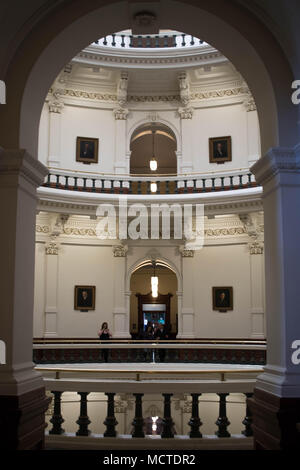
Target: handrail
x: 133, y: 341
x: 154, y: 175
x: 152, y: 184
x: 138, y: 373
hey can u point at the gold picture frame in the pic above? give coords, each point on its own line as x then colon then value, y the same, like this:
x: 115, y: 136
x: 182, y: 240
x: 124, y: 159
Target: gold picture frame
x: 87, y: 150
x: 222, y: 298
x: 84, y: 298
x: 220, y: 149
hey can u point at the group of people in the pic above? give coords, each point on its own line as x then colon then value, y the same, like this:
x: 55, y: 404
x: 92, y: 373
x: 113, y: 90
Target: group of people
x: 156, y: 331
x: 152, y: 332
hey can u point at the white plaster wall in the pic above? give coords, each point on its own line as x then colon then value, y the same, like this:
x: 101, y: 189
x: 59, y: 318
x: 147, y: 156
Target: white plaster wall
x: 209, y: 120
x: 221, y: 266
x: 87, y: 122
x: 217, y: 122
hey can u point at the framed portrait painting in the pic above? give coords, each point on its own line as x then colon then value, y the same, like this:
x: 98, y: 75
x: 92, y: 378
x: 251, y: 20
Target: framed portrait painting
x: 87, y: 150
x: 220, y: 149
x: 222, y: 298
x: 84, y: 298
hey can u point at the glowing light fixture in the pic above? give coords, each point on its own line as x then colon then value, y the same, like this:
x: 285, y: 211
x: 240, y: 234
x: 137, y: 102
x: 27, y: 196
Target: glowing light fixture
x: 154, y: 283
x: 153, y: 161
x: 153, y: 187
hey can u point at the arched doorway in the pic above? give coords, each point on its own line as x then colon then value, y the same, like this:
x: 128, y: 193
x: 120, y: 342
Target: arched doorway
x: 144, y: 308
x: 153, y: 142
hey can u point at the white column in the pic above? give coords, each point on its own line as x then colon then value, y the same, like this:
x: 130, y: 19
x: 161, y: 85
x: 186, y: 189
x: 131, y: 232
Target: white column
x: 257, y: 291
x: 121, y: 162
x: 253, y: 134
x: 179, y: 313
x: 279, y: 173
x: 187, y: 308
x: 121, y: 308
x: 55, y: 110
x: 20, y: 175
x: 187, y: 131
x: 51, y: 291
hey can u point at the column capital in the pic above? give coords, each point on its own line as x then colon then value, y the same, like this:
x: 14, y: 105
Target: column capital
x: 120, y: 251
x: 185, y: 252
x: 186, y: 113
x: 52, y: 248
x: 256, y: 248
x: 121, y: 114
x: 19, y: 163
x: 277, y: 160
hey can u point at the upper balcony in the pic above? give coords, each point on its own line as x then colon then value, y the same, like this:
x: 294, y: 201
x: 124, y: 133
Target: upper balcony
x: 167, y: 39
x: 166, y: 49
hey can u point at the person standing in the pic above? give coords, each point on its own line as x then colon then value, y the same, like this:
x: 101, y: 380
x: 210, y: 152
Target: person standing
x: 161, y: 334
x: 104, y: 335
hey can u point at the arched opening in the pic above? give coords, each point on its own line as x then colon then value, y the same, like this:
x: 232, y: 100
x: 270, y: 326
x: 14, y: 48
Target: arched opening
x: 144, y: 307
x: 153, y: 142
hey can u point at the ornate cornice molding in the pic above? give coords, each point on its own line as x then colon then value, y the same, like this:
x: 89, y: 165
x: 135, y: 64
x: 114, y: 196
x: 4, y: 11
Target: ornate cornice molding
x: 219, y: 232
x: 156, y: 58
x: 277, y: 160
x: 204, y: 95
x: 194, y: 96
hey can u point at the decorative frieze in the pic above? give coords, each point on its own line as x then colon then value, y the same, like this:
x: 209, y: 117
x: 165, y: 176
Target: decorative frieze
x: 42, y: 229
x: 219, y: 232
x: 182, y: 97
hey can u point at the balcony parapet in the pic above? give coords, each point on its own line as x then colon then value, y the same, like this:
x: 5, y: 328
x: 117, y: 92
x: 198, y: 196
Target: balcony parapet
x: 148, y: 184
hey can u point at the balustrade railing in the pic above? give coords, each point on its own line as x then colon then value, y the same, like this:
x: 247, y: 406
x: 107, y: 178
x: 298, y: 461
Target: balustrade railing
x: 143, y: 185
x: 166, y: 388
x: 123, y: 40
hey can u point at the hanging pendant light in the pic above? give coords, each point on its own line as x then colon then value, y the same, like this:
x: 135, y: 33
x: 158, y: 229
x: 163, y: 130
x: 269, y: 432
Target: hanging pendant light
x: 153, y: 161
x: 154, y: 283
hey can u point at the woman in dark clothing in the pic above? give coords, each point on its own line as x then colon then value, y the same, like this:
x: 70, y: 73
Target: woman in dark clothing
x: 161, y: 334
x: 104, y: 334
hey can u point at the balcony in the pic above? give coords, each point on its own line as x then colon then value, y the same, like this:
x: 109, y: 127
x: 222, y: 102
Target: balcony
x: 225, y: 386
x: 168, y: 39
